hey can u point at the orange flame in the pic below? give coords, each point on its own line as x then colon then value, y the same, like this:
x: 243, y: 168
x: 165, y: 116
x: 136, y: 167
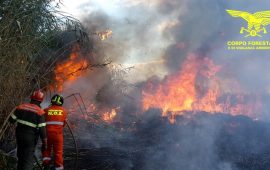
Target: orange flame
x: 195, y: 87
x: 109, y: 116
x: 93, y: 114
x: 103, y: 35
x: 70, y: 69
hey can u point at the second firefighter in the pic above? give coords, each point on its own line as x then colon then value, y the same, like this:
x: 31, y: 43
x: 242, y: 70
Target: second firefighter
x: 55, y: 117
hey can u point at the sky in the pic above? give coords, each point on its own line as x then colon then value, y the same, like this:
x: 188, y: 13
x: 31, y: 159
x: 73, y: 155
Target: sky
x: 80, y: 8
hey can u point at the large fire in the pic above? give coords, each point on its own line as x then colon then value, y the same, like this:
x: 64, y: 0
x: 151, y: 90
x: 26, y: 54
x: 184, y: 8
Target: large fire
x: 196, y: 87
x: 71, y: 69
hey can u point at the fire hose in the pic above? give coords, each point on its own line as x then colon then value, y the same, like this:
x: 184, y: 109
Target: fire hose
x: 6, y: 124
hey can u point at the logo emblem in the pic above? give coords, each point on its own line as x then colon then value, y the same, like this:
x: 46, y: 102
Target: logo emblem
x: 256, y: 22
x: 55, y: 112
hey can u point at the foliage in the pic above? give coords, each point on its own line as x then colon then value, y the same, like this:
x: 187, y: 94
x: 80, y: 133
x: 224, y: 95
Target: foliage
x: 31, y: 34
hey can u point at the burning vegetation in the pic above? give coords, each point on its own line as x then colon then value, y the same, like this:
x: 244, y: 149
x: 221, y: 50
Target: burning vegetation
x: 197, y: 87
x: 173, y: 119
x: 103, y: 35
x: 70, y: 69
x: 195, y: 117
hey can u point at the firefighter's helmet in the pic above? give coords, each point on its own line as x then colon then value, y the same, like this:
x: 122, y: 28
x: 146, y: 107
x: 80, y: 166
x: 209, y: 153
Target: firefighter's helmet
x: 37, y: 95
x: 57, y: 100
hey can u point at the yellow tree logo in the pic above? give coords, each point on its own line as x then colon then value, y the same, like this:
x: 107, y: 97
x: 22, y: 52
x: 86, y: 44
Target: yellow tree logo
x: 256, y: 22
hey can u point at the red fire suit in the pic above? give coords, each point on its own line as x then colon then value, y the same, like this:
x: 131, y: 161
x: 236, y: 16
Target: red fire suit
x: 55, y: 117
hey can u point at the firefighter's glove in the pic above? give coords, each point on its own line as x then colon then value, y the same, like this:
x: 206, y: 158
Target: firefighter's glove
x: 44, y: 145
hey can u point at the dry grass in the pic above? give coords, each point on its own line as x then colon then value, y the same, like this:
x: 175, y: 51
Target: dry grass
x: 29, y: 34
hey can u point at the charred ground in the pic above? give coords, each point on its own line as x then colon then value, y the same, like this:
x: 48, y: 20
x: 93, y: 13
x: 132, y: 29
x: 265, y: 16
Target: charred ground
x: 194, y: 142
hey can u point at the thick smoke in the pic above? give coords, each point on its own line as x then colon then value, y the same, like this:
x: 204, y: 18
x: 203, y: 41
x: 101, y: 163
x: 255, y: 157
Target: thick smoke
x: 155, y: 37
x: 195, y: 142
x: 206, y: 142
x: 205, y: 28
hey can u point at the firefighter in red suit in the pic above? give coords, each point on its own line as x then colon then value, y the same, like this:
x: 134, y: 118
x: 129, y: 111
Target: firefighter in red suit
x: 30, y: 126
x: 55, y: 117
